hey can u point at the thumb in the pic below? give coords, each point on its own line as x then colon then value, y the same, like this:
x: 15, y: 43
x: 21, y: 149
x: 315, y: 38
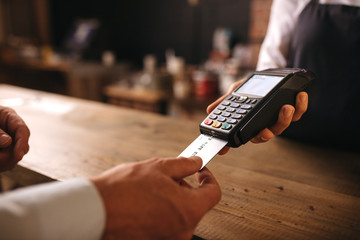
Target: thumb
x: 5, y: 139
x: 181, y: 167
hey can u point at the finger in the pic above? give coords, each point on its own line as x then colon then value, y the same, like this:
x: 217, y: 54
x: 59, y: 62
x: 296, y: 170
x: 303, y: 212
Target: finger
x: 180, y: 167
x: 205, y: 177
x: 6, y: 117
x: 21, y: 134
x: 5, y: 139
x: 20, y: 149
x: 5, y: 155
x: 213, y: 105
x: 301, y: 105
x: 16, y: 126
x: 208, y: 194
x: 21, y: 142
x: 219, y: 100
x: 263, y: 136
x: 183, y: 183
x: 284, y: 119
x: 224, y: 150
x: 6, y: 161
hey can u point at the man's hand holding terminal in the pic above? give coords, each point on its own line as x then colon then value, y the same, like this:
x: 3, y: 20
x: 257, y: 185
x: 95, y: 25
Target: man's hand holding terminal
x: 287, y: 115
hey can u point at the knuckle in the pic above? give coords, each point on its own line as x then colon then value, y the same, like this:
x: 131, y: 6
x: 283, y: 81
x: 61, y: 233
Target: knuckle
x: 161, y: 164
x: 279, y: 127
x: 282, y: 126
x: 300, y: 109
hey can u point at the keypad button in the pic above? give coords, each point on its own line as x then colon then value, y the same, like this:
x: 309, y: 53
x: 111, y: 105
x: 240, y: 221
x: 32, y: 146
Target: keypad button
x: 226, y: 114
x: 225, y: 103
x: 246, y: 106
x: 208, y: 121
x: 241, y: 99
x: 226, y: 126
x: 235, y: 105
x: 229, y: 109
x: 221, y: 108
x: 221, y: 119
x: 241, y: 111
x: 216, y: 124
x: 248, y: 101
x: 231, y: 98
x: 217, y: 112
x: 212, y: 116
x: 232, y: 121
x: 253, y: 101
x: 237, y: 116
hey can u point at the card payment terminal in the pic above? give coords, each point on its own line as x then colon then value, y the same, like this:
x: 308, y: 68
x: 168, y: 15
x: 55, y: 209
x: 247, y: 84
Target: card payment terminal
x: 250, y: 108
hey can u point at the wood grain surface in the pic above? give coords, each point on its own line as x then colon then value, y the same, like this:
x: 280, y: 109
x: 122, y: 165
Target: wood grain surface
x: 276, y: 190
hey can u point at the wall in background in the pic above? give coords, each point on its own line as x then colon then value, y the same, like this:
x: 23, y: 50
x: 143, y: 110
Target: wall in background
x: 26, y: 19
x: 134, y: 28
x: 259, y: 19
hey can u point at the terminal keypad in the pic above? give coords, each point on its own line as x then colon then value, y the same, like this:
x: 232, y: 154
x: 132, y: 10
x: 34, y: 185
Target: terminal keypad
x: 230, y: 111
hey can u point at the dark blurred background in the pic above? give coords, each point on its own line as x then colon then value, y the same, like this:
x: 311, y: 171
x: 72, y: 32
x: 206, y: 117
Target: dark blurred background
x: 191, y: 50
x: 132, y: 29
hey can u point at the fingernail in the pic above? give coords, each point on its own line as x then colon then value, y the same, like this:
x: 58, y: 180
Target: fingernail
x: 5, y: 139
x: 264, y: 139
x: 303, y: 98
x: 287, y: 112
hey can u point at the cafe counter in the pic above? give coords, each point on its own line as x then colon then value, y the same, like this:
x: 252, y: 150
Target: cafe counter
x: 276, y: 190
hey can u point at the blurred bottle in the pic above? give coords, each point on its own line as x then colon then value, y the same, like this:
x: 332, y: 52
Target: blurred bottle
x: 228, y: 75
x: 221, y: 44
x: 152, y: 78
x: 182, y: 85
x: 206, y: 85
x: 181, y: 82
x: 147, y: 77
x: 108, y: 58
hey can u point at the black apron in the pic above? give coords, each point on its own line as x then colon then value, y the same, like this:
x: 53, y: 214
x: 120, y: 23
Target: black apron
x: 327, y: 42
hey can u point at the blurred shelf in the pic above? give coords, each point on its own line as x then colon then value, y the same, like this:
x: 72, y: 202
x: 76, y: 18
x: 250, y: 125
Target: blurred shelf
x: 141, y: 99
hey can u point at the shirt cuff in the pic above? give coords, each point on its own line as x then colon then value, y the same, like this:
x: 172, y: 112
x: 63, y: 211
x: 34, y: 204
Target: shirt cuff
x: 72, y: 209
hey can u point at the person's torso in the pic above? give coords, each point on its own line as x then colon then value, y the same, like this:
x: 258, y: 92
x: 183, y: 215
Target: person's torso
x: 327, y: 41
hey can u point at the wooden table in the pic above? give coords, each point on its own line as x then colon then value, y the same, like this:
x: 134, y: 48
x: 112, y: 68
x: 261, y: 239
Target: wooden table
x: 277, y: 190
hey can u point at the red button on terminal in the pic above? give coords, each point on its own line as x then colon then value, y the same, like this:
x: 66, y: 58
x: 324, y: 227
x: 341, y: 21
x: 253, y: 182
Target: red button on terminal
x: 208, y: 121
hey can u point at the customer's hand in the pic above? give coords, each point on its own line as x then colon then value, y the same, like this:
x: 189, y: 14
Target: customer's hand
x: 14, y: 136
x: 150, y: 199
x: 287, y: 115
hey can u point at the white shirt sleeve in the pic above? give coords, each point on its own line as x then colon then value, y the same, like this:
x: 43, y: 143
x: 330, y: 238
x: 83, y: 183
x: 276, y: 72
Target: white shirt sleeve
x: 283, y: 18
x: 275, y: 48
x: 69, y: 210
